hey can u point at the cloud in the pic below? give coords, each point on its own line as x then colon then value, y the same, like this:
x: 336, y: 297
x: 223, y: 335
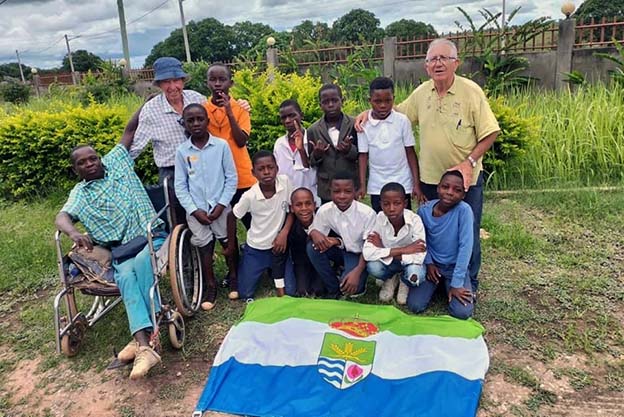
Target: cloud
x: 36, y: 27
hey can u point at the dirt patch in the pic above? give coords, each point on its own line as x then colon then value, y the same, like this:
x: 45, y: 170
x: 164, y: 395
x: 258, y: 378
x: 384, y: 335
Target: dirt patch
x: 499, y: 396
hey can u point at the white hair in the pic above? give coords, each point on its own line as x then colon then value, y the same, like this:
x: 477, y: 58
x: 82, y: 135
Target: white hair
x: 443, y: 41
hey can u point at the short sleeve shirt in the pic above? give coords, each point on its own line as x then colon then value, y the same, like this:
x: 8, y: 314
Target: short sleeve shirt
x: 114, y: 209
x: 219, y: 126
x: 159, y: 122
x: 385, y: 142
x: 450, y: 127
x: 267, y: 214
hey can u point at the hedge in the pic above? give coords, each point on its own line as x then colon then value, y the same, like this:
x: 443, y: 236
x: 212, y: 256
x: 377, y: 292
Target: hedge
x: 35, y: 146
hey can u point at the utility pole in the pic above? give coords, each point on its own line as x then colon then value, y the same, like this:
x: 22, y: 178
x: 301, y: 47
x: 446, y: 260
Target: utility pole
x: 184, y: 33
x: 503, y: 29
x: 19, y: 62
x: 71, y: 61
x: 124, y: 34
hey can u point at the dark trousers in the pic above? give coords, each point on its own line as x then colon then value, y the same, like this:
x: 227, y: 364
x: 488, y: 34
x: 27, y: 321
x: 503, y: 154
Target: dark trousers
x: 474, y: 198
x: 322, y: 264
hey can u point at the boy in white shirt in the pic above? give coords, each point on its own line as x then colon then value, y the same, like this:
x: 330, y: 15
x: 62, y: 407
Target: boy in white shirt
x: 292, y: 150
x: 268, y: 202
x: 396, y: 245
x: 352, y: 221
x: 386, y: 147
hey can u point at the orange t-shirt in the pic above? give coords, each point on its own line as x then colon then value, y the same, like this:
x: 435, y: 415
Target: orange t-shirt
x: 219, y: 126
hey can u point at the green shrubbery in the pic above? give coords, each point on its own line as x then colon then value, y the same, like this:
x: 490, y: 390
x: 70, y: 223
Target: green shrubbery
x: 35, y: 146
x: 14, y: 92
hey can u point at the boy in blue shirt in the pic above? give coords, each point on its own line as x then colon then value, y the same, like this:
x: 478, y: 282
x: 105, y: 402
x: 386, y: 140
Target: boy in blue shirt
x: 448, y: 225
x: 205, y: 181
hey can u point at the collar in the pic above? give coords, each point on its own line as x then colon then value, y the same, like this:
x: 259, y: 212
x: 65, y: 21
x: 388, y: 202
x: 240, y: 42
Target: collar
x: 451, y: 90
x: 352, y: 208
x: 375, y: 122
x: 408, y: 217
x: 340, y: 119
x: 279, y: 186
x: 189, y: 143
x: 166, y: 107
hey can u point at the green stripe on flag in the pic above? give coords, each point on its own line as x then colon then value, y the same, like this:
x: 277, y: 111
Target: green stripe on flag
x: 386, y: 318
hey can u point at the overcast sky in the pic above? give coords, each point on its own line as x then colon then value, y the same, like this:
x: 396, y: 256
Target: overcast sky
x: 36, y: 27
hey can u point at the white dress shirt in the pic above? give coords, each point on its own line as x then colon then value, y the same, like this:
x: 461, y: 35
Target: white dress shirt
x: 411, y: 231
x: 352, y: 225
x: 291, y: 165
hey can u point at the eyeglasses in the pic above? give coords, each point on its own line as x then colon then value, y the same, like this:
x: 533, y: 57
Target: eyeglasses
x: 442, y: 59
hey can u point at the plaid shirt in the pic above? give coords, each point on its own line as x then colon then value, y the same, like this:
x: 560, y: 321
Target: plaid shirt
x: 159, y: 122
x: 114, y: 209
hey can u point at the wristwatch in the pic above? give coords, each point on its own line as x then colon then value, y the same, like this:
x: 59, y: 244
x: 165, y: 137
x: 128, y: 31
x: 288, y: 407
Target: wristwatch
x: 472, y: 161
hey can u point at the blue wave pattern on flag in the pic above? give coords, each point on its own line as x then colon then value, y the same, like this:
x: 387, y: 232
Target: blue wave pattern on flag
x: 332, y: 370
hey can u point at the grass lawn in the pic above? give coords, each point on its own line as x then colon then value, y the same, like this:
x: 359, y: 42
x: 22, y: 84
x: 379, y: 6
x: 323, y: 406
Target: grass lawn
x: 551, y: 300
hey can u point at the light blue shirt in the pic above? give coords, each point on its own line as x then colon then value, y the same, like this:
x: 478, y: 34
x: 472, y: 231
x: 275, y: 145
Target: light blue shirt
x: 449, y: 238
x: 205, y: 177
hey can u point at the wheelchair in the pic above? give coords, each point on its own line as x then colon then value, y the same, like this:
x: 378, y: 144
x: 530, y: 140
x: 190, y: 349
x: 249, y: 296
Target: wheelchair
x: 177, y: 256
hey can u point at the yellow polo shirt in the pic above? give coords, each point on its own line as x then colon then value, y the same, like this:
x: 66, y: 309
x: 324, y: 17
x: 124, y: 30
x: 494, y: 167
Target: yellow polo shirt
x: 450, y: 127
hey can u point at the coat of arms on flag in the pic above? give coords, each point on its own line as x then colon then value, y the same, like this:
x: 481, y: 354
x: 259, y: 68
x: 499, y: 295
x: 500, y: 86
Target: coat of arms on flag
x: 293, y: 357
x: 343, y: 361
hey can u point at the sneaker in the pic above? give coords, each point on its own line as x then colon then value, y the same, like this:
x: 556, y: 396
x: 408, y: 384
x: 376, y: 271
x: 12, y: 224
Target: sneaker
x: 210, y: 298
x: 402, y: 294
x: 128, y: 353
x: 146, y: 359
x: 233, y: 284
x: 379, y: 282
x: 387, y: 290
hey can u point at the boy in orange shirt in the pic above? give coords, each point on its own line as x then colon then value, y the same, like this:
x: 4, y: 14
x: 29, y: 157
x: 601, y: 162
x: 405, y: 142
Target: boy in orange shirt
x: 229, y: 121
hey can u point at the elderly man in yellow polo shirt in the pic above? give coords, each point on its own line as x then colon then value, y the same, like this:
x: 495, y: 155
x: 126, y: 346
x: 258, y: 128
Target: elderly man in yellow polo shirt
x: 457, y: 127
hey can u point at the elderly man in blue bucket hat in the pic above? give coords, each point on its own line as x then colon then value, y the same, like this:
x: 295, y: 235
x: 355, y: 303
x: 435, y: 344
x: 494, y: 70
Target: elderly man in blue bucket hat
x: 160, y: 116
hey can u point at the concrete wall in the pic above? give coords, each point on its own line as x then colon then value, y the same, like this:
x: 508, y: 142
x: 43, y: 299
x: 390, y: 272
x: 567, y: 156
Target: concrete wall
x: 594, y: 68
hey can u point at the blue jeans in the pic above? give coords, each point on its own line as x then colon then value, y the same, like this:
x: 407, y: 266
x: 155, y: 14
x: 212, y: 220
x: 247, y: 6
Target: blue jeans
x: 322, y: 265
x: 382, y: 271
x: 474, y: 198
x: 419, y: 297
x: 135, y: 277
x: 251, y: 266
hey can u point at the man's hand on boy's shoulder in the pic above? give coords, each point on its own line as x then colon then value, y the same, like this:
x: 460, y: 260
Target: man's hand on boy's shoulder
x: 201, y: 216
x: 244, y: 104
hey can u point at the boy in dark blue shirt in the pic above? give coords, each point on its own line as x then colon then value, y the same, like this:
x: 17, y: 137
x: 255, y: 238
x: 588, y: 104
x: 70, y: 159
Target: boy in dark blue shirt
x: 448, y: 226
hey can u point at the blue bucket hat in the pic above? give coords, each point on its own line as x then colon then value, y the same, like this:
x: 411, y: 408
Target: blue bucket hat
x: 168, y: 67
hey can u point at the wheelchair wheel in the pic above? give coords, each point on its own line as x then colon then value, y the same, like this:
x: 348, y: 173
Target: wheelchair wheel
x: 185, y: 271
x: 177, y: 332
x: 72, y: 340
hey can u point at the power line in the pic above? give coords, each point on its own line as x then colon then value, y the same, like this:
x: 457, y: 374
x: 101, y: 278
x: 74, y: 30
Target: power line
x: 2, y: 2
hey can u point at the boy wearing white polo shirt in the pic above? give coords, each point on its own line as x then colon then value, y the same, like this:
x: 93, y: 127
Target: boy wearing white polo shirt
x: 268, y: 202
x: 352, y: 222
x: 386, y: 147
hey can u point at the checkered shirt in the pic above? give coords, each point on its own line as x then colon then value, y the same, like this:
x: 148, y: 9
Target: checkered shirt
x: 114, y: 209
x: 159, y: 122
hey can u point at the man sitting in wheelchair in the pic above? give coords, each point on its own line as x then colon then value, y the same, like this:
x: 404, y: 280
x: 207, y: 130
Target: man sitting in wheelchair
x: 113, y: 206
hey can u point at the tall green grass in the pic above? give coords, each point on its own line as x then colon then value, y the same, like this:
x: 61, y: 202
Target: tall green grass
x: 581, y: 139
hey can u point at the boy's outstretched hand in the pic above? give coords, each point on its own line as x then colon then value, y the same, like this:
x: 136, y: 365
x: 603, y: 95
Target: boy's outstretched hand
x: 319, y: 149
x: 463, y: 295
x: 345, y: 145
x: 433, y: 273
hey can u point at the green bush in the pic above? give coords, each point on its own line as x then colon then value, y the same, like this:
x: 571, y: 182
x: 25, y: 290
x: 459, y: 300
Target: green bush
x: 14, y: 92
x: 197, y: 76
x: 35, y: 146
x: 265, y: 91
x: 517, y: 134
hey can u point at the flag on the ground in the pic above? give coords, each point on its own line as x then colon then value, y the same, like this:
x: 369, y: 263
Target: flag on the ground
x: 293, y: 357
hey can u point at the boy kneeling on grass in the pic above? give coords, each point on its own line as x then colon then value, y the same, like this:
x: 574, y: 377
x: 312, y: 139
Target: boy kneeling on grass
x: 268, y: 202
x: 352, y: 221
x: 448, y: 225
x: 396, y: 244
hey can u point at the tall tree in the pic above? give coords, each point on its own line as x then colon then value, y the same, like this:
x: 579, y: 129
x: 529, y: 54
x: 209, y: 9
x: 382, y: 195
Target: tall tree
x: 83, y: 61
x: 409, y: 28
x: 308, y: 31
x: 12, y: 70
x: 248, y: 34
x: 600, y: 8
x: 358, y: 24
